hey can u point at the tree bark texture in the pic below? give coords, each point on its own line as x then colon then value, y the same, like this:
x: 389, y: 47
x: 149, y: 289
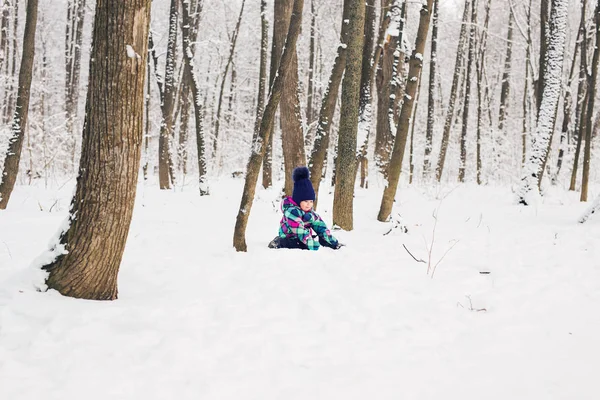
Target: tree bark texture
x: 259, y: 146
x: 292, y: 136
x: 165, y: 159
x: 102, y: 207
x: 590, y: 114
x: 19, y: 123
x: 343, y: 197
x: 189, y: 33
x: 532, y: 171
x: 416, y: 64
x: 318, y: 154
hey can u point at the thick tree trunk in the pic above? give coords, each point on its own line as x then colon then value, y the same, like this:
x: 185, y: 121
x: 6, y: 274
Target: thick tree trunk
x: 590, y: 106
x: 343, y: 197
x: 90, y: 249
x: 259, y: 146
x: 455, y: 83
x: 165, y: 159
x: 19, y: 123
x: 416, y: 64
x: 318, y: 154
x: 530, y: 182
x: 467, y: 98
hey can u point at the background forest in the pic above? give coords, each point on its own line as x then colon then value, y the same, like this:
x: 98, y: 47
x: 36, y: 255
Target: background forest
x: 503, y: 68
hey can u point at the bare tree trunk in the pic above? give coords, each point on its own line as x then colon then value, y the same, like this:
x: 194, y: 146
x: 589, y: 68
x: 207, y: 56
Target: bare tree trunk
x: 467, y: 99
x: 190, y: 33
x: 431, y: 98
x: 319, y: 152
x: 89, y: 252
x: 526, y: 99
x: 552, y: 83
x: 258, y: 147
x: 480, y: 67
x: 544, y: 11
x: 452, y: 100
x: 266, y: 169
x: 416, y: 64
x: 389, y: 82
x: 365, y: 108
x: 568, y: 100
x: 234, y: 37
x: 19, y: 123
x: 343, y: 197
x: 165, y: 159
x: 11, y: 67
x: 74, y: 37
x: 190, y: 27
x: 581, y: 106
x: 311, y: 67
x: 590, y: 107
x: 262, y: 74
x: 505, y: 91
x: 292, y: 135
x: 147, y: 121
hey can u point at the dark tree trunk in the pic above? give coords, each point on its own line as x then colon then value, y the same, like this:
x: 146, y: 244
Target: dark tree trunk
x: 259, y: 146
x: 505, y: 91
x: 90, y: 250
x: 165, y: 160
x: 431, y: 98
x: 467, y: 98
x: 544, y: 10
x: 590, y: 107
x: 416, y: 64
x: 19, y: 123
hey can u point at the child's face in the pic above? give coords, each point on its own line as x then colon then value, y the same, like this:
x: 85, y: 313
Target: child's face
x: 306, y: 205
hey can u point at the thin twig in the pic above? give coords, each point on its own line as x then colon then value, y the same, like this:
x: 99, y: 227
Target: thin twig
x: 417, y: 260
x: 440, y: 260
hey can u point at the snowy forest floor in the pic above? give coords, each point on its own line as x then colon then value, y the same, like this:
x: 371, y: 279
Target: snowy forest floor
x: 196, y: 320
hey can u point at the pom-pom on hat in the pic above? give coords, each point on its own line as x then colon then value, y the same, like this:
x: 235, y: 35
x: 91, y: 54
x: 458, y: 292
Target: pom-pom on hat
x: 303, y: 188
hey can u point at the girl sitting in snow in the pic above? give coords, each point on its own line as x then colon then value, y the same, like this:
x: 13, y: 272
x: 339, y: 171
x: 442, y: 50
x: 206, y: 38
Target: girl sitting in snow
x: 299, y: 221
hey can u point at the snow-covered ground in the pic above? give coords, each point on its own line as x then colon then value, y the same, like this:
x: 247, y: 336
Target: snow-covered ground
x: 196, y: 320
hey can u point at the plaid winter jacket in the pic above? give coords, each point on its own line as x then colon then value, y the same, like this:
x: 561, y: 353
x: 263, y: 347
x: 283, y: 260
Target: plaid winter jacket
x: 296, y: 223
